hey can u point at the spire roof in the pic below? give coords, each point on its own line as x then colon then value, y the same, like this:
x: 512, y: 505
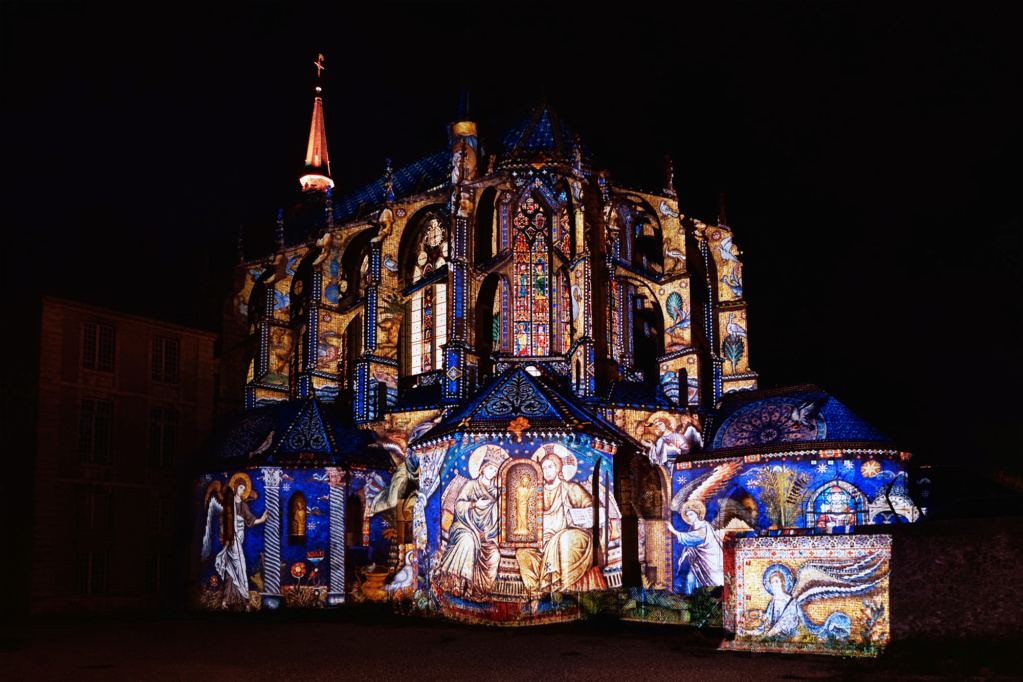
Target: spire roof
x: 317, y: 161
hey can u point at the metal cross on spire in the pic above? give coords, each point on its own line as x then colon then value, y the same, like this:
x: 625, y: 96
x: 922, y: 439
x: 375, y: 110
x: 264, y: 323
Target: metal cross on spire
x: 319, y: 66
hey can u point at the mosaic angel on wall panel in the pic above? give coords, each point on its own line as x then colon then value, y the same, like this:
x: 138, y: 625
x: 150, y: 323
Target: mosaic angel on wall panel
x: 228, y: 516
x: 787, y: 614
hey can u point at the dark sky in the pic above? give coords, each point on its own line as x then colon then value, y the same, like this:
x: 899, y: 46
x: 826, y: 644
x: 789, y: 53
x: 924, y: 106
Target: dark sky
x: 870, y: 156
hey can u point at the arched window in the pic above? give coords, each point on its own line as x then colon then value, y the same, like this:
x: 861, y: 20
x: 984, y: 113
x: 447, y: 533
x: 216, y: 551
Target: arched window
x: 297, y: 511
x: 428, y: 305
x: 835, y: 505
x: 532, y: 288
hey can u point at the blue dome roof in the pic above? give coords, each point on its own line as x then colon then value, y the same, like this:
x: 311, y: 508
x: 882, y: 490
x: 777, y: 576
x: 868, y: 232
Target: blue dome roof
x: 790, y: 416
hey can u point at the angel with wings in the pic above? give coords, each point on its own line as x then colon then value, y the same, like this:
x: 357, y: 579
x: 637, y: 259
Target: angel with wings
x: 701, y: 545
x: 816, y: 580
x: 231, y: 504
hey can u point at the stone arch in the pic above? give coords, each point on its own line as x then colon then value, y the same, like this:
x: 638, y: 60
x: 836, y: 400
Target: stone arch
x: 408, y: 245
x: 487, y: 242
x: 645, y: 236
x: 491, y: 329
x: 351, y: 266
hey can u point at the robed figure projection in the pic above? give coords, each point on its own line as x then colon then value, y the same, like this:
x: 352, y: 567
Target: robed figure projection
x: 469, y: 565
x: 231, y: 505
x: 566, y: 550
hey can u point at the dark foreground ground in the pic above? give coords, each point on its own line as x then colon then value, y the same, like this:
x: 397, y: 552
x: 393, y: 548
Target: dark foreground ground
x: 369, y: 645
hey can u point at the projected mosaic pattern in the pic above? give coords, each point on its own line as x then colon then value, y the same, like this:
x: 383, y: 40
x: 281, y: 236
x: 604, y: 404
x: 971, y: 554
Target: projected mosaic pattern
x: 813, y: 594
x: 513, y: 527
x: 271, y: 536
x: 827, y: 495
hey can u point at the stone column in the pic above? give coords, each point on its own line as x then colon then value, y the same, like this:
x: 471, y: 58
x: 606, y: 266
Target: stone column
x: 338, y: 496
x: 272, y: 597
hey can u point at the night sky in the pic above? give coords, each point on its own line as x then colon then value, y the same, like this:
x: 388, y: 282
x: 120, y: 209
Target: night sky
x: 870, y: 158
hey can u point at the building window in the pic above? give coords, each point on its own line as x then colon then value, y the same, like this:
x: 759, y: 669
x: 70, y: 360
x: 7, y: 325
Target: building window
x: 94, y: 431
x: 166, y: 354
x: 429, y: 305
x: 98, y: 347
x: 158, y: 572
x: 429, y: 327
x: 163, y: 436
x: 90, y: 573
x: 93, y: 510
x: 532, y: 279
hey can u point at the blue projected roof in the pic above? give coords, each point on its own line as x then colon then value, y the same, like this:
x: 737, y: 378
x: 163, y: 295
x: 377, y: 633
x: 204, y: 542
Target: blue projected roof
x: 418, y: 176
x: 540, y: 130
x: 799, y: 415
x: 541, y: 400
x: 302, y: 432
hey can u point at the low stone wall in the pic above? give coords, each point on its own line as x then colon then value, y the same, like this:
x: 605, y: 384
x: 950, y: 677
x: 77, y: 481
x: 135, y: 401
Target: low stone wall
x: 957, y: 580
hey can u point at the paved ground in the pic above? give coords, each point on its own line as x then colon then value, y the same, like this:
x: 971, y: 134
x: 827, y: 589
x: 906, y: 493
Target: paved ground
x: 373, y: 646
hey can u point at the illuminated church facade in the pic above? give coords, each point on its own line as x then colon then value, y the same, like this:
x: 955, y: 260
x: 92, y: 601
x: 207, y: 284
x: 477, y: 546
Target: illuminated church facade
x: 494, y: 378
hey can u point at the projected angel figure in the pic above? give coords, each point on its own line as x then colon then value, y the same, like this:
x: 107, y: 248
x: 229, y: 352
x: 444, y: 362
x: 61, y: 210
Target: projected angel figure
x: 701, y: 545
x: 815, y: 580
x: 231, y: 505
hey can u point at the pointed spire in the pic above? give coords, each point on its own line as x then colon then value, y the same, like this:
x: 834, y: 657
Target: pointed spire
x: 669, y: 170
x: 317, y: 162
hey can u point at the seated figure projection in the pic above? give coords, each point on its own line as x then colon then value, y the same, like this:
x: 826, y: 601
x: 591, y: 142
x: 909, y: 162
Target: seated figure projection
x: 565, y: 553
x: 469, y: 564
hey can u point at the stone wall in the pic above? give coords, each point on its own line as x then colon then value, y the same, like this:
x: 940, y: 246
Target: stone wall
x: 957, y: 579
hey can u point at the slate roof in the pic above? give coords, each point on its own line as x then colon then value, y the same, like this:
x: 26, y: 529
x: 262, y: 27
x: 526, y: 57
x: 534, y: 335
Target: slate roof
x: 293, y: 433
x: 540, y: 130
x: 637, y: 394
x: 765, y: 419
x: 542, y: 400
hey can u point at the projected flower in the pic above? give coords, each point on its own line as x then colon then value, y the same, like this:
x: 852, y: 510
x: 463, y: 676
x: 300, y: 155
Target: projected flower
x: 298, y: 569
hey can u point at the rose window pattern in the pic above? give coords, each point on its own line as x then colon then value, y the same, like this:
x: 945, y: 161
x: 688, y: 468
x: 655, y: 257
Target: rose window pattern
x: 769, y: 422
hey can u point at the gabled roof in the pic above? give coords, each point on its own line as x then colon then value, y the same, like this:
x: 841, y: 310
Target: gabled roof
x: 299, y: 433
x: 542, y: 401
x: 790, y: 416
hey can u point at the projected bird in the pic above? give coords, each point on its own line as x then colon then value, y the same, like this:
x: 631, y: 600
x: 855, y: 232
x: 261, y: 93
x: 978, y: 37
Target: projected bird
x: 734, y: 328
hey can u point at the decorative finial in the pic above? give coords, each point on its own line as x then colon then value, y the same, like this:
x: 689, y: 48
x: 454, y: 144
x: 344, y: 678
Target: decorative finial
x: 280, y: 228
x: 389, y: 182
x: 577, y: 152
x: 319, y: 67
x: 669, y: 169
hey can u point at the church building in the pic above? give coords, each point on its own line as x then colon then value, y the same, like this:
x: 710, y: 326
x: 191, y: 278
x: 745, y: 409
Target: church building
x: 495, y: 378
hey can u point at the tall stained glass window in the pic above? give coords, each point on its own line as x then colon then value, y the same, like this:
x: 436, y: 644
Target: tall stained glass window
x: 532, y: 280
x: 429, y: 305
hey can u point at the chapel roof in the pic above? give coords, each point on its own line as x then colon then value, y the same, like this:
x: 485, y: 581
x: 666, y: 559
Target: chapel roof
x: 542, y: 401
x: 293, y: 433
x: 540, y: 133
x: 793, y: 416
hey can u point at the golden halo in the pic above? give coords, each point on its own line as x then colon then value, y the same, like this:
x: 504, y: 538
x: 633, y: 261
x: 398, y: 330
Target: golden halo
x: 476, y: 458
x: 671, y: 419
x: 242, y: 477
x: 569, y: 464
